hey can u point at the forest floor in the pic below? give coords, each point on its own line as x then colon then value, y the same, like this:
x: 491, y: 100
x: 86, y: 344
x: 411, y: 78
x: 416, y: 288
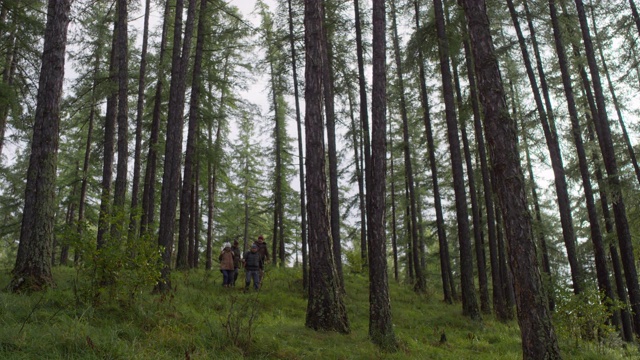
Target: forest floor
x: 202, y: 320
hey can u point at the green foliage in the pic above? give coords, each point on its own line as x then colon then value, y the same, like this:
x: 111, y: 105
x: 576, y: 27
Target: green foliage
x: 355, y: 263
x: 122, y: 269
x: 584, y: 318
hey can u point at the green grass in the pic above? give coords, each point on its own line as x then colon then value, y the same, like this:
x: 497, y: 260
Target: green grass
x: 194, y: 319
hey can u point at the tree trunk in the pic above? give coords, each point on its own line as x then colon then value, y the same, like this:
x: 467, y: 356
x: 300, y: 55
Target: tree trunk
x: 149, y: 189
x: 325, y: 309
x: 551, y: 136
x: 420, y: 284
x: 604, y: 284
x: 603, y: 131
x: 364, y: 116
x: 614, y: 98
x: 104, y: 218
x: 32, y: 270
x: 394, y: 227
x: 120, y: 189
x: 329, y: 106
x: 380, y: 323
x: 190, y: 159
x: 303, y: 196
x: 445, y: 262
x: 475, y: 210
x: 357, y: 160
x: 542, y: 239
x: 134, y: 218
x: 173, y: 147
x: 538, y: 336
x: 469, y: 302
x: 497, y: 293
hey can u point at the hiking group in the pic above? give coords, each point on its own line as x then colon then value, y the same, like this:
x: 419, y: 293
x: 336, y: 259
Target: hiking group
x: 253, y: 262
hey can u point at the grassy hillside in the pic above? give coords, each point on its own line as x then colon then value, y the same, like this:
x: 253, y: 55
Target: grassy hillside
x: 203, y: 320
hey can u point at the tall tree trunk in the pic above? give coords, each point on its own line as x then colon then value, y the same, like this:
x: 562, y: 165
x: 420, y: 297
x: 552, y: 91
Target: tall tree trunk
x: 120, y: 190
x: 469, y: 302
x: 445, y: 262
x: 475, y: 210
x: 614, y: 98
x: 32, y: 270
x: 149, y: 189
x: 190, y: 158
x: 135, y: 188
x: 325, y: 309
x: 329, y: 106
x: 394, y: 227
x: 303, y: 196
x: 380, y: 322
x: 420, y: 284
x: 357, y: 160
x: 173, y: 147
x: 550, y: 134
x: 604, y: 284
x: 538, y: 336
x: 104, y: 218
x: 364, y: 116
x: 616, y: 264
x: 87, y: 148
x: 542, y: 239
x: 603, y: 130
x: 497, y: 293
x: 9, y: 41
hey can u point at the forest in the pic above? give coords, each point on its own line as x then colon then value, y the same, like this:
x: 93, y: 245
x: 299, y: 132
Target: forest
x: 477, y: 152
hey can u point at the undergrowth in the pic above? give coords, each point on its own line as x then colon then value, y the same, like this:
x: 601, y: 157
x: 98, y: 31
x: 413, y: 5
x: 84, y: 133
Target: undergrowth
x: 202, y: 320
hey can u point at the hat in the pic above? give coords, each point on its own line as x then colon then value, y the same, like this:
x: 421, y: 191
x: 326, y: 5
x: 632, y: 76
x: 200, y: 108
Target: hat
x: 254, y: 246
x: 226, y: 245
x: 235, y: 242
x: 260, y: 237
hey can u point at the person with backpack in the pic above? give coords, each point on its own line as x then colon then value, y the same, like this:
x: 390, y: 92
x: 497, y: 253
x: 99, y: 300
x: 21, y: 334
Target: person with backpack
x: 253, y: 265
x: 237, y: 254
x: 226, y: 265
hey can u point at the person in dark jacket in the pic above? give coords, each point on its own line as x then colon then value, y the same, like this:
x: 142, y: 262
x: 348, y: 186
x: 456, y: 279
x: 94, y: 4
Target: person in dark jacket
x: 237, y: 254
x: 263, y: 250
x: 253, y: 264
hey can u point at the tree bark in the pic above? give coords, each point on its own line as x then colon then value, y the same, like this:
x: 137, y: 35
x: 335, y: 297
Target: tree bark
x: 499, y: 302
x: 325, y: 309
x: 449, y: 290
x: 149, y: 189
x: 120, y: 189
x: 380, y: 323
x: 538, y: 337
x: 469, y: 302
x: 364, y: 117
x: 190, y: 158
x: 32, y: 270
x: 173, y: 147
x: 303, y: 196
x: 420, y: 283
x: 134, y: 218
x: 551, y: 137
x: 475, y: 211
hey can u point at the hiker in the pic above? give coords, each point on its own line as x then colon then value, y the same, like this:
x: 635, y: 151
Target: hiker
x: 264, y: 253
x: 253, y: 265
x: 226, y: 265
x: 237, y: 254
